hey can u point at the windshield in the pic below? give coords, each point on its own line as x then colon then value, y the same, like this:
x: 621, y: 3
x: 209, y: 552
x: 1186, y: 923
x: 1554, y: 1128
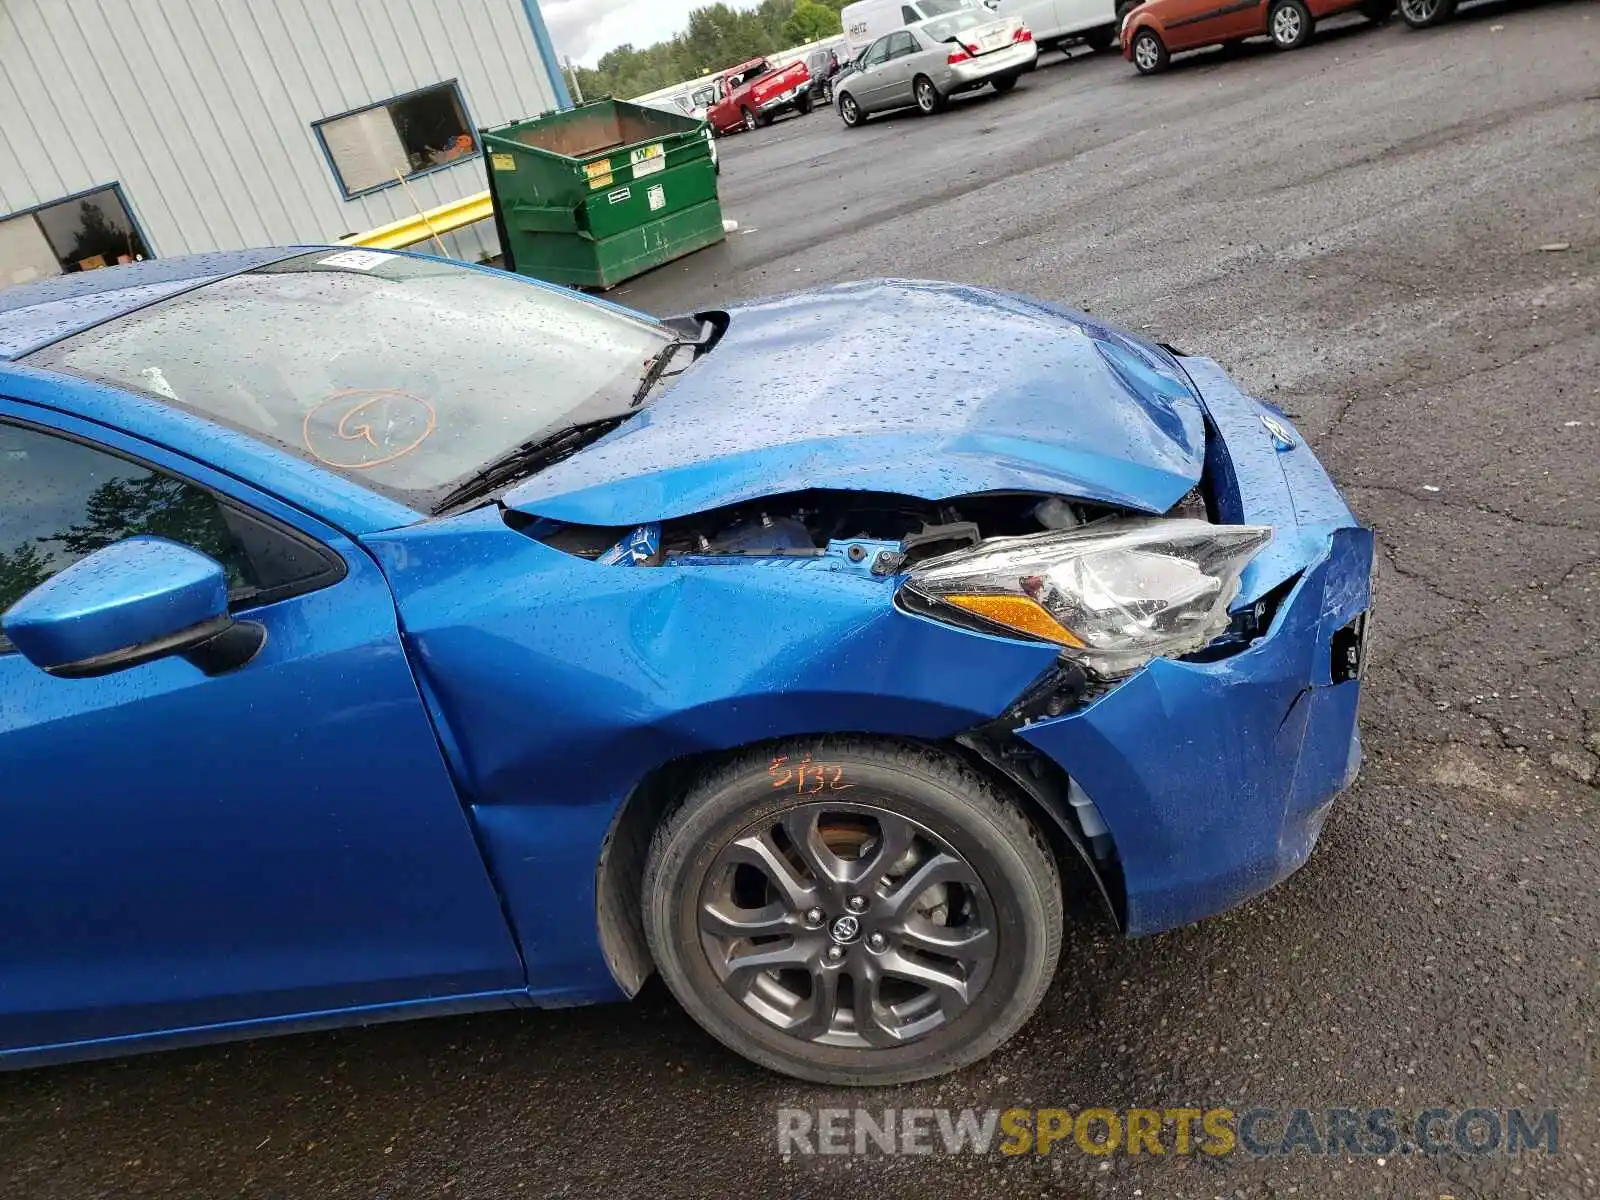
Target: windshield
x: 405, y: 374
x: 949, y: 27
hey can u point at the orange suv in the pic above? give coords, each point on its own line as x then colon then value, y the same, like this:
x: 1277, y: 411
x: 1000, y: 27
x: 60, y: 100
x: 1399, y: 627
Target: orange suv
x: 1158, y: 29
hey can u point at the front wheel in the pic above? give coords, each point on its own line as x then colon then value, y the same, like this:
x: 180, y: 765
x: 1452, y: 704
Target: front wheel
x: 1290, y: 24
x: 751, y: 123
x: 1420, y: 14
x: 1149, y: 52
x: 849, y: 111
x: 1102, y: 38
x: 1004, y: 84
x: 853, y: 913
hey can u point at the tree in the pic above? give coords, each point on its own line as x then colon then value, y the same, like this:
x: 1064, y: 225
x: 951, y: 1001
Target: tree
x: 811, y: 22
x: 160, y: 506
x: 716, y: 36
x: 24, y: 569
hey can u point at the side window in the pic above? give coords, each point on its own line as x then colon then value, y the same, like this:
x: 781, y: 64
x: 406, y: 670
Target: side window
x: 902, y: 44
x: 909, y: 14
x: 878, y: 54
x: 61, y: 500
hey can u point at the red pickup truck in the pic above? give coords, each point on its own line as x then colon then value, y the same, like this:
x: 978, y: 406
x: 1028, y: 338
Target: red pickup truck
x: 751, y: 94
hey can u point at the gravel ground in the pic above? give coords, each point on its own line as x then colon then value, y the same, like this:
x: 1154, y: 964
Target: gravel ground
x: 1355, y: 231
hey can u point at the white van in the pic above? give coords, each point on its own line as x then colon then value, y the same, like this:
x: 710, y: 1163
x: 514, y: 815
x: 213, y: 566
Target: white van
x: 868, y: 20
x: 1056, y: 21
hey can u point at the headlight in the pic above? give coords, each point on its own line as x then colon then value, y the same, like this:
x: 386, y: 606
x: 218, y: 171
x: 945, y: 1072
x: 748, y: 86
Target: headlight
x: 1115, y: 595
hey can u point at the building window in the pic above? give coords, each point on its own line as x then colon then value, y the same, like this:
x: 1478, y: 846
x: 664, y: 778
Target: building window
x: 375, y: 147
x: 89, y: 230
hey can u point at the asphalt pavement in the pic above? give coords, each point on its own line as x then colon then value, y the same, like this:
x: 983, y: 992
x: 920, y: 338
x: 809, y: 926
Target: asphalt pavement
x: 1364, y: 232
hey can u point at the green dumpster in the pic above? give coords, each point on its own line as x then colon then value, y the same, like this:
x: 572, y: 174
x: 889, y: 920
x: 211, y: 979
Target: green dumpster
x: 602, y: 192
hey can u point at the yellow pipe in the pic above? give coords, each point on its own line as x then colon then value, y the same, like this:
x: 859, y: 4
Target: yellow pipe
x: 408, y: 231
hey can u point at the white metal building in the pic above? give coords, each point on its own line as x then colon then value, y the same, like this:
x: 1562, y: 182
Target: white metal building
x: 134, y: 128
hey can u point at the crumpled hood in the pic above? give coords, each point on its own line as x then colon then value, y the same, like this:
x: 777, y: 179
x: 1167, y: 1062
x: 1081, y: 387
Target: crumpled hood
x: 927, y: 390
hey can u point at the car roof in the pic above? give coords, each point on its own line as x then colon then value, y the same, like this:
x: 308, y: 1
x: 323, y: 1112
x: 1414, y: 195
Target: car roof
x: 36, y: 314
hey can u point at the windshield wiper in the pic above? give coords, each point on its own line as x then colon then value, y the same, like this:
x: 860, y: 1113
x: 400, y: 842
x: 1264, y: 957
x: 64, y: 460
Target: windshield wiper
x: 527, y: 458
x: 657, y: 367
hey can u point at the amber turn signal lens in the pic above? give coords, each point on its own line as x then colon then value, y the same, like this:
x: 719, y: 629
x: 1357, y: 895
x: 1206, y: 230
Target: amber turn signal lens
x: 1019, y: 613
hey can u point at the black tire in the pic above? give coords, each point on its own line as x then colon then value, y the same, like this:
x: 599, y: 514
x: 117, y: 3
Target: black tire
x: 850, y: 112
x: 883, y: 797
x: 1424, y: 14
x: 802, y: 104
x: 1290, y: 24
x: 751, y: 122
x: 1377, y: 11
x: 1149, y: 52
x: 1004, y: 83
x: 1124, y: 7
x: 928, y: 97
x: 1101, y: 38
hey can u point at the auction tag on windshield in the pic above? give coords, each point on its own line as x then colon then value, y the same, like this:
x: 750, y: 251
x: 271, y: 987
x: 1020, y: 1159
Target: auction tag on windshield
x: 354, y: 260
x: 621, y: 194
x: 647, y: 160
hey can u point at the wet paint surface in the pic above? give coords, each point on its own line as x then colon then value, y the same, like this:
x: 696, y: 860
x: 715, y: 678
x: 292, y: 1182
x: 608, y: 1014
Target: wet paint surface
x: 917, y: 389
x: 132, y: 592
x: 564, y: 682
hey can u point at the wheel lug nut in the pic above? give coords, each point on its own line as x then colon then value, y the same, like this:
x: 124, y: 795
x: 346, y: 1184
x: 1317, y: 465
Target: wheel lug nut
x: 835, y: 953
x: 814, y: 916
x: 856, y: 904
x: 877, y: 942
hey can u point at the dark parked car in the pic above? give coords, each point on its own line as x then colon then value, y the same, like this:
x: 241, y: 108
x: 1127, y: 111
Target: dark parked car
x: 824, y: 66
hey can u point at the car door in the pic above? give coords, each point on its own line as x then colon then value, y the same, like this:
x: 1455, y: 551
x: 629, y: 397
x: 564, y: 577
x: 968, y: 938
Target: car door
x: 721, y: 113
x: 1076, y: 16
x: 180, y: 851
x: 869, y: 83
x: 899, y: 70
x: 1041, y: 16
x: 1204, y: 22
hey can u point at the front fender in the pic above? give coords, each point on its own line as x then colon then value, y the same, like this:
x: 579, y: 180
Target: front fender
x: 558, y: 684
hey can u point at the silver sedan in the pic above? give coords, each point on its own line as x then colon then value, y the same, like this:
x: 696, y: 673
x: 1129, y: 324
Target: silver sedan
x: 927, y: 63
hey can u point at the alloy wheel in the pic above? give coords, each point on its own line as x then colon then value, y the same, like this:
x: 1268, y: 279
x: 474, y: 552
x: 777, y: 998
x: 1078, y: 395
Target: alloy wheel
x: 1419, y: 12
x: 847, y: 925
x: 1145, y: 54
x: 927, y: 97
x: 1286, y: 25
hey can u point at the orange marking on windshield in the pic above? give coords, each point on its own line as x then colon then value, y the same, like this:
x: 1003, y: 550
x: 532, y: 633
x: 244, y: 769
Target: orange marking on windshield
x: 403, y: 420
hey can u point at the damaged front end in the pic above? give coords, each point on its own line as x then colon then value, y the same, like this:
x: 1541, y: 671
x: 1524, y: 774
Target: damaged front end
x: 1197, y: 716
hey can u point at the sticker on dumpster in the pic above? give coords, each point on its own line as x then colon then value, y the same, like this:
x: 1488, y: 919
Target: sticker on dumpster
x: 601, y: 181
x: 647, y: 160
x: 503, y: 162
x: 658, y: 198
x: 621, y: 194
x: 354, y: 260
x: 595, y: 170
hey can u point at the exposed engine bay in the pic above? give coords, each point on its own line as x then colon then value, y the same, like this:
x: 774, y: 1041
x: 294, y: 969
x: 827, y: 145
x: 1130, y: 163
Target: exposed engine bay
x: 806, y: 524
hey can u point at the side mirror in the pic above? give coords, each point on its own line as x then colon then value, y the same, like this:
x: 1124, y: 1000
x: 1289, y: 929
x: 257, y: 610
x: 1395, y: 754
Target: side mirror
x: 132, y: 603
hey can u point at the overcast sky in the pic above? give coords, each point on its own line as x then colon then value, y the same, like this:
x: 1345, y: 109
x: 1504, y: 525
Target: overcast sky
x: 586, y: 29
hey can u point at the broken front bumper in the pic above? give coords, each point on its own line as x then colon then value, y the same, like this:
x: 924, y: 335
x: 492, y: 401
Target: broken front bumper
x: 1214, y: 778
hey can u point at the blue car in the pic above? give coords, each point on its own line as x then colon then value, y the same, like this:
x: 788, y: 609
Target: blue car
x: 386, y: 637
